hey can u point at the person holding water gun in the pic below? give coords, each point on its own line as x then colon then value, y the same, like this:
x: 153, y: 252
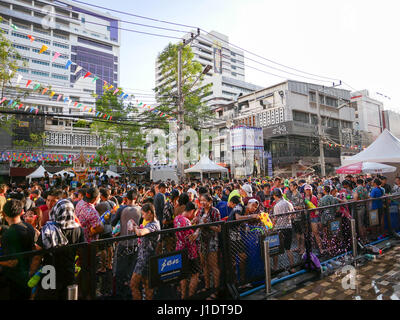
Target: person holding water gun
x: 61, y: 225
x: 311, y: 202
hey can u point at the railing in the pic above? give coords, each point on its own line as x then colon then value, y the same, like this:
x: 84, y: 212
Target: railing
x: 229, y: 262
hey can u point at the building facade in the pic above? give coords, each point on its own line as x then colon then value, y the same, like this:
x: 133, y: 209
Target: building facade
x: 227, y: 74
x: 287, y: 113
x: 368, y: 123
x: 391, y: 121
x: 88, y: 38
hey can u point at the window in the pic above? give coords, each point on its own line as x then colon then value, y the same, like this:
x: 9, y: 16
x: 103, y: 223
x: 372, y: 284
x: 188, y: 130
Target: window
x: 59, y: 76
x: 59, y: 36
x: 16, y: 46
x: 300, y: 116
x: 42, y: 41
x: 333, y: 123
x: 43, y: 63
x: 312, y: 97
x: 60, y: 45
x: 234, y: 74
x: 40, y: 73
x: 331, y: 102
x: 59, y: 66
x: 19, y: 35
x: 233, y: 67
x: 233, y: 54
x: 38, y: 50
x: 23, y: 70
x: 233, y: 60
x: 41, y: 31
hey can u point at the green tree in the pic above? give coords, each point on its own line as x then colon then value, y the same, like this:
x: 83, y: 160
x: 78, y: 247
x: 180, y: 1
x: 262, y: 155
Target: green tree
x: 121, y: 141
x: 35, y: 142
x: 10, y: 60
x: 195, y: 110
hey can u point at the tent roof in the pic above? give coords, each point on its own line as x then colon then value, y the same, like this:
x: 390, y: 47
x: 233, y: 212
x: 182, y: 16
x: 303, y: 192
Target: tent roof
x: 206, y: 165
x: 112, y: 174
x: 38, y: 173
x: 64, y: 171
x: 386, y: 148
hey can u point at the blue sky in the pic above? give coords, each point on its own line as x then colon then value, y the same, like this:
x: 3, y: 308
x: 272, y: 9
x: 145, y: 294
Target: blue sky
x: 355, y: 41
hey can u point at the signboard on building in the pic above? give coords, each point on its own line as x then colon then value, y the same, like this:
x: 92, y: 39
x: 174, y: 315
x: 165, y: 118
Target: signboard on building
x: 167, y: 268
x: 217, y: 60
x: 23, y: 124
x: 246, y: 138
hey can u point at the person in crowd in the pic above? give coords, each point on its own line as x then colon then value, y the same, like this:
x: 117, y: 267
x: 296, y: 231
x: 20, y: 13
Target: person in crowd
x: 185, y: 242
x: 127, y: 216
x: 297, y: 200
x: 146, y: 249
x: 88, y: 216
x: 208, y: 242
x: 386, y: 186
x: 395, y: 190
x: 361, y: 193
x: 51, y: 200
x: 3, y: 200
x: 36, y: 196
x: 327, y: 216
x: 314, y: 216
x: 283, y: 223
x: 159, y: 202
x: 378, y: 192
x: 34, y: 218
x: 18, y: 237
x: 61, y: 229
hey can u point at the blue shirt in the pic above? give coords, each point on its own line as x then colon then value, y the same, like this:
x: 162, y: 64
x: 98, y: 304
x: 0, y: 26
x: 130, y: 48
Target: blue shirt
x: 377, y: 193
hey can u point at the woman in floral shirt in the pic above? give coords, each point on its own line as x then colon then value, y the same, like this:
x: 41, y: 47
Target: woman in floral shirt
x: 185, y: 241
x: 146, y: 249
x: 208, y: 241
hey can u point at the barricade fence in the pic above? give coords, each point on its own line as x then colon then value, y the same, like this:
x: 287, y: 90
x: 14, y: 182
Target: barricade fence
x: 221, y: 258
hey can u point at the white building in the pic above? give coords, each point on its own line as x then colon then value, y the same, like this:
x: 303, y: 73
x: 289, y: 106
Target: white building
x: 228, y: 72
x: 87, y: 37
x: 368, y: 116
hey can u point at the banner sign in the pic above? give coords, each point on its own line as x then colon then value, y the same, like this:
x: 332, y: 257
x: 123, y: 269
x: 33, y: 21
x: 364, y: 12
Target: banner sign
x: 167, y: 268
x: 246, y: 138
x: 217, y: 60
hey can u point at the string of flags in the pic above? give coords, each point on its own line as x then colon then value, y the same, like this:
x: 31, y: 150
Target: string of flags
x: 347, y: 146
x: 55, y: 157
x: 86, y: 74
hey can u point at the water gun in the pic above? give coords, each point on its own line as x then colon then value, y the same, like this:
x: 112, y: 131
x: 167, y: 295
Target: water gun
x: 117, y: 229
x: 264, y: 217
x: 33, y: 282
x: 145, y: 222
x: 77, y: 268
x: 105, y: 216
x: 285, y: 197
x: 309, y: 204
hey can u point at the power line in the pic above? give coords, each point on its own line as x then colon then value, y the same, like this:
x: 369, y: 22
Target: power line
x: 223, y: 40
x: 268, y: 66
x: 261, y: 57
x: 134, y: 15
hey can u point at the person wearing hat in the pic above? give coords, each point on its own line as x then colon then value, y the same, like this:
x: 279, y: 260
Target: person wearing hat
x: 246, y: 191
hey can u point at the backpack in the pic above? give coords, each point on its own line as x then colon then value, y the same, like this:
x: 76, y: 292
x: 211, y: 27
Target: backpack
x: 311, y: 262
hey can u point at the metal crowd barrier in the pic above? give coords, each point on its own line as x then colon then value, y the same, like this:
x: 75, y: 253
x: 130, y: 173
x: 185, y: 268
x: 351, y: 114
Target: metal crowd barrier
x: 233, y: 263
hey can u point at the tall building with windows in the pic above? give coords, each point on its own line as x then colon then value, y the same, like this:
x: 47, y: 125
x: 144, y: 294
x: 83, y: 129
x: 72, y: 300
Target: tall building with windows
x: 227, y: 74
x: 87, y: 37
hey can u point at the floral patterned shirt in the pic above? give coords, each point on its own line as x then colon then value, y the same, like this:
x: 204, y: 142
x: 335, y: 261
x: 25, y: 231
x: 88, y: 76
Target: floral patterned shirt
x: 88, y: 217
x: 182, y: 237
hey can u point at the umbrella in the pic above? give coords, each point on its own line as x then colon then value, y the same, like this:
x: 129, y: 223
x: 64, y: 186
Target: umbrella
x: 365, y: 167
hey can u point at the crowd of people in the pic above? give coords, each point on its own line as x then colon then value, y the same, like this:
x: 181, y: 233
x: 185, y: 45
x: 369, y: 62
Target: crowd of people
x: 62, y: 211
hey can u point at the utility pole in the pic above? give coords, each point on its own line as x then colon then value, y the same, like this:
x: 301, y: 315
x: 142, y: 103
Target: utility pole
x: 181, y: 101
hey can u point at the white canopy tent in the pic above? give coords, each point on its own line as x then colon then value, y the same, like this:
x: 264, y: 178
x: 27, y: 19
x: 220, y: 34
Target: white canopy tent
x: 205, y: 165
x: 385, y: 149
x: 112, y: 174
x: 38, y: 173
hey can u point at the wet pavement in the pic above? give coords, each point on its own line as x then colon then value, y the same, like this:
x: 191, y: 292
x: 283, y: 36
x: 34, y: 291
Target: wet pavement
x: 377, y: 279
